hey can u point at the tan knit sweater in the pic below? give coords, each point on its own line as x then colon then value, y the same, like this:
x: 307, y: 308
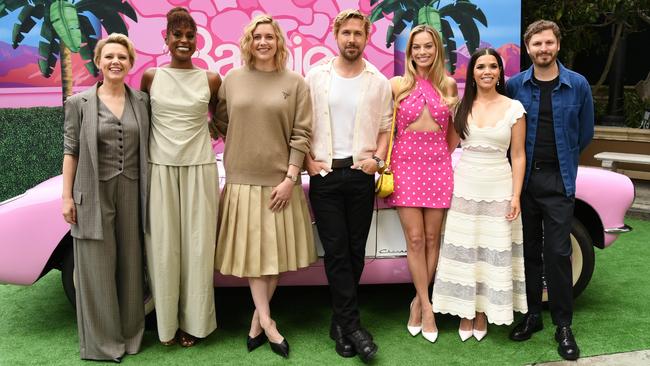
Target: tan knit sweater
x: 266, y: 120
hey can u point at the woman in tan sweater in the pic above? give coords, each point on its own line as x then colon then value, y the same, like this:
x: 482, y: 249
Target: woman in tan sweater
x: 265, y: 227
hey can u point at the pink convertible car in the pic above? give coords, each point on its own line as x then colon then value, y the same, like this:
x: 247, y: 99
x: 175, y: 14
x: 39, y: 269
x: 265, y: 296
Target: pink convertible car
x: 35, y: 239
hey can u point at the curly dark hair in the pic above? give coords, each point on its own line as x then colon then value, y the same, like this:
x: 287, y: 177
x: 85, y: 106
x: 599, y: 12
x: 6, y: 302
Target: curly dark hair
x: 178, y: 17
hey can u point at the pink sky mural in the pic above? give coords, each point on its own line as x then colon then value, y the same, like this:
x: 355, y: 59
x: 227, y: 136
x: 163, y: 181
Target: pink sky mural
x: 307, y: 24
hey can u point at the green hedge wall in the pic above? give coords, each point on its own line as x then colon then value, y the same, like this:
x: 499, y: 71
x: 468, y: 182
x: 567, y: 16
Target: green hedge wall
x: 31, y: 147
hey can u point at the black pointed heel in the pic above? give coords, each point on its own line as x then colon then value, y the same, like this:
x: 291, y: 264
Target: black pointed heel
x: 255, y: 342
x: 281, y: 348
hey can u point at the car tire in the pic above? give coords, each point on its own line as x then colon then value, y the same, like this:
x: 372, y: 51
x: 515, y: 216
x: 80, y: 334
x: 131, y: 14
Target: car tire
x: 583, y: 259
x: 67, y: 275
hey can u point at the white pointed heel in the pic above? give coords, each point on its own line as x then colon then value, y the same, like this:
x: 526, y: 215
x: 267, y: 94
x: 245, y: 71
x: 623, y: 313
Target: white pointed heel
x: 479, y: 334
x: 413, y: 329
x: 465, y: 334
x: 430, y: 336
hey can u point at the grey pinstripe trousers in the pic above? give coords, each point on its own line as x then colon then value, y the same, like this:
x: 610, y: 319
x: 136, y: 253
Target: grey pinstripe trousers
x: 109, y: 277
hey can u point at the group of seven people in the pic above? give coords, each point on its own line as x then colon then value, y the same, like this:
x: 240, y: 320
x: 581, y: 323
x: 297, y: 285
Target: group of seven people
x: 138, y: 166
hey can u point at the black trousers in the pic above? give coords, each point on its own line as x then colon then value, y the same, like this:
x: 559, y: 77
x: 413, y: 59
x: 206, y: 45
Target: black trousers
x: 547, y: 214
x: 342, y: 202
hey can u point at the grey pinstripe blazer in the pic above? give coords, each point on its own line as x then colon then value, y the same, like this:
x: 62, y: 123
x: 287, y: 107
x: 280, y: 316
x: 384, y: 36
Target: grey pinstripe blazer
x: 80, y: 139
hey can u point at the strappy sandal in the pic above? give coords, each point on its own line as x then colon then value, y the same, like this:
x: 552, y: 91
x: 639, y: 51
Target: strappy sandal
x: 185, y: 339
x: 168, y: 343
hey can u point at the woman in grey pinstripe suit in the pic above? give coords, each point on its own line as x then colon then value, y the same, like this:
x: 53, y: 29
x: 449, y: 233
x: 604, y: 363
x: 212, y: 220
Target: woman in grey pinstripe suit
x: 106, y: 132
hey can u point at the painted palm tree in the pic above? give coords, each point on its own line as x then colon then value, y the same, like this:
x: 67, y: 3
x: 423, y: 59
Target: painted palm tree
x: 67, y: 27
x: 463, y: 12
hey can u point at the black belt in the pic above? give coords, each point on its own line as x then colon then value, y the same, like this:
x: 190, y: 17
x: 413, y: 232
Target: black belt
x: 545, y: 165
x: 342, y: 163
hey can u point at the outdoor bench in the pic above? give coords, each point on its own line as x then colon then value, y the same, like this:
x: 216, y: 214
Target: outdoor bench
x: 609, y: 161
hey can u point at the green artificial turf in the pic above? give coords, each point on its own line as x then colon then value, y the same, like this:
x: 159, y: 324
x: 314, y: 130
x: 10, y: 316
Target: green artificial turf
x: 37, y: 325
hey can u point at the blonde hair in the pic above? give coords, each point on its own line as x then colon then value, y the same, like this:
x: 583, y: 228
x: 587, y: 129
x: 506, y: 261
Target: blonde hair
x: 118, y: 38
x: 348, y: 14
x: 436, y: 74
x: 246, y: 42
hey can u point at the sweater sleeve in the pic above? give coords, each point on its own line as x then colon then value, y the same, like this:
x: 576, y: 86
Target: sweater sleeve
x: 220, y: 117
x: 301, y: 130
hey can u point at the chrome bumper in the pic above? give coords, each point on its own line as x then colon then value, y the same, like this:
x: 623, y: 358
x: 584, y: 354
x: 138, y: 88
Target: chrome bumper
x: 619, y: 230
x: 13, y: 198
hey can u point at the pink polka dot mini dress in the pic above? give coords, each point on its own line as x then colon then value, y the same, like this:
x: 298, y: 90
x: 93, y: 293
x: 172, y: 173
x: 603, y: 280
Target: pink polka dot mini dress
x: 420, y: 161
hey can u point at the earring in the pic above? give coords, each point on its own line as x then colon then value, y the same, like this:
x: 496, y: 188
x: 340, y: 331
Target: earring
x: 498, y: 82
x: 197, y: 53
x: 165, y: 49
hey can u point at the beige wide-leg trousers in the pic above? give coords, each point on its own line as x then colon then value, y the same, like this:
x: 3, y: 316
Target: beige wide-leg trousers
x: 109, y: 276
x: 180, y: 247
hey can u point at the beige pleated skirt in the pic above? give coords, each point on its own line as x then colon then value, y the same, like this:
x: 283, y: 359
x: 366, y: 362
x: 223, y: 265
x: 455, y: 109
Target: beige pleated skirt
x: 253, y: 241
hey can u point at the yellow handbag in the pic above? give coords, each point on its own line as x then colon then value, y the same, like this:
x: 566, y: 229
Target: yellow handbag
x: 384, y: 185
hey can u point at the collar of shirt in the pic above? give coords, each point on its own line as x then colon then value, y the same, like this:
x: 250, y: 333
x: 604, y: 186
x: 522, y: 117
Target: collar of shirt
x: 564, y: 75
x: 367, y: 66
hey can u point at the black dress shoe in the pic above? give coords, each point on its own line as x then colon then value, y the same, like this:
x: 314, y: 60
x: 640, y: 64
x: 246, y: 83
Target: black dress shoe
x: 281, y: 348
x: 530, y: 324
x: 255, y: 342
x: 363, y: 344
x: 343, y: 346
x: 567, y: 346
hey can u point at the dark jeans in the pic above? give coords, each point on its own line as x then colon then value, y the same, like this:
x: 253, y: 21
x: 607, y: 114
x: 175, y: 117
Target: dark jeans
x: 342, y: 202
x: 546, y: 214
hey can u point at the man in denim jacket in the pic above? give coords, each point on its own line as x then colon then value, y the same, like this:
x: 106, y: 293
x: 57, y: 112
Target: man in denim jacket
x: 560, y: 124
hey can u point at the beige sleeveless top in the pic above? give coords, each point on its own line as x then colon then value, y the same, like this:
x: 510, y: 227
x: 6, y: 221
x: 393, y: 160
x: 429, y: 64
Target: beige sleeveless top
x: 179, y: 118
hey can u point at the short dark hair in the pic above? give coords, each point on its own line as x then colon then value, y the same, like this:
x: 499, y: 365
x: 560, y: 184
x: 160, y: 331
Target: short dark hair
x: 540, y: 26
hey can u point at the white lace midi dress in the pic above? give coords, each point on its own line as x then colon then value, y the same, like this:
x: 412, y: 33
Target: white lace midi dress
x: 481, y: 265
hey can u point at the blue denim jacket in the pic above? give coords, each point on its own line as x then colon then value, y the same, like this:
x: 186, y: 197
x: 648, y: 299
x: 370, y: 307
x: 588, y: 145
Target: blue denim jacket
x: 573, y: 119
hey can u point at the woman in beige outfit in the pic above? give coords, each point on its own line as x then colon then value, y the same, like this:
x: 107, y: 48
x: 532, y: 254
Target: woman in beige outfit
x: 265, y: 226
x: 184, y: 189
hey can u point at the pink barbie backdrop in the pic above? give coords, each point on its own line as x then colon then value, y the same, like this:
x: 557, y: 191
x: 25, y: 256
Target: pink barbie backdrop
x: 32, y: 42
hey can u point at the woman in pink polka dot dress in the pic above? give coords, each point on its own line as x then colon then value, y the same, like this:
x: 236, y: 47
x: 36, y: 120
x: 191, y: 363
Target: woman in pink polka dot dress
x: 421, y: 164
x: 421, y: 159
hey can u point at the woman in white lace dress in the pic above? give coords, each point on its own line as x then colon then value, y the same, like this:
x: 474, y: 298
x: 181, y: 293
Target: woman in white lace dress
x: 480, y: 275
